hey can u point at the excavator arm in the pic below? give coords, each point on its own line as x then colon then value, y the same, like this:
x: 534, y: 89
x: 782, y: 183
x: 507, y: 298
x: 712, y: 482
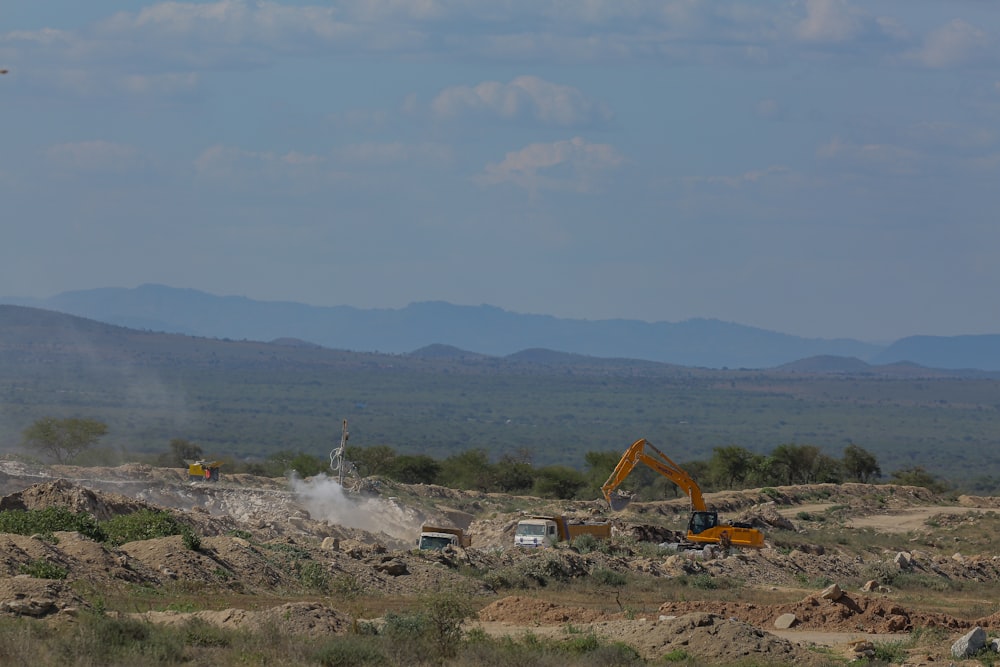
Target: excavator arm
x: 659, y: 462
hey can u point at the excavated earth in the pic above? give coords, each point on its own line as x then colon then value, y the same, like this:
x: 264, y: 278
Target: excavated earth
x: 312, y: 550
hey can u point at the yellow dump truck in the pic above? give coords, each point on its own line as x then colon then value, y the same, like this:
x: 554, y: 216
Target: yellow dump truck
x: 204, y: 471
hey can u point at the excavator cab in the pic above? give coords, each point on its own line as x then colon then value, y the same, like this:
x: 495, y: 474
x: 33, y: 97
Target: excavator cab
x: 702, y: 521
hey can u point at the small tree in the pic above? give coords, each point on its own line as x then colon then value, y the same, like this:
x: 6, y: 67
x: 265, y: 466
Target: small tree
x: 918, y: 476
x: 63, y: 439
x: 369, y: 461
x: 861, y: 465
x: 415, y: 469
x: 730, y: 466
x: 560, y: 482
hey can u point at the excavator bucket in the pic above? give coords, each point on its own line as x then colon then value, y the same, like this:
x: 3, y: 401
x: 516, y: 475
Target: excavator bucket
x: 619, y: 500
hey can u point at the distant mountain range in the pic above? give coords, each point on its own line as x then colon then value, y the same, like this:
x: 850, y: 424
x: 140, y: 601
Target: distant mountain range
x: 488, y: 330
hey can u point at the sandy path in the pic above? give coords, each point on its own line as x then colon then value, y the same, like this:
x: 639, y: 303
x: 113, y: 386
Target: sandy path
x: 903, y: 521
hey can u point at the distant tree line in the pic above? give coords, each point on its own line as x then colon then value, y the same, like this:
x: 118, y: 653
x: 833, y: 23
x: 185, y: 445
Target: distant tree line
x: 729, y: 467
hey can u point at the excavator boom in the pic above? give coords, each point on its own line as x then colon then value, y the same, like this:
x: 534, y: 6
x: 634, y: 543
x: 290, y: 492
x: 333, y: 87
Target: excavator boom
x: 659, y: 462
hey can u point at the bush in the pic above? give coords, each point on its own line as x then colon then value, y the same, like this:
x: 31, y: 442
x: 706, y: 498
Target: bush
x: 314, y: 576
x: 586, y: 543
x: 609, y: 577
x: 445, y: 613
x: 147, y: 525
x: 42, y: 569
x: 350, y: 651
x: 203, y: 634
x: 48, y: 520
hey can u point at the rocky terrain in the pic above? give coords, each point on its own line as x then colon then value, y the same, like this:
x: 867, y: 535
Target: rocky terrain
x: 846, y: 567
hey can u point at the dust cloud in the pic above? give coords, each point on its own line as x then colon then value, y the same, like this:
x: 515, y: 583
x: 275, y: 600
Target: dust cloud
x: 326, y: 500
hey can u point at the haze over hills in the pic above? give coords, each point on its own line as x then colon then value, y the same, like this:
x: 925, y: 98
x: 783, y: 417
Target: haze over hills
x: 489, y: 330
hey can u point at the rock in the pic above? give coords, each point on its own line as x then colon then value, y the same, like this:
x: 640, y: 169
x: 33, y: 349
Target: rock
x: 969, y: 644
x: 393, y: 567
x: 995, y: 645
x: 862, y: 645
x: 870, y: 585
x: 28, y: 607
x: 332, y: 543
x: 903, y: 560
x: 832, y: 592
x: 785, y: 621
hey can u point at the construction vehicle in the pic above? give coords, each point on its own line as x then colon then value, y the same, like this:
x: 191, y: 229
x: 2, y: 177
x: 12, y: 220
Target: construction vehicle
x: 546, y: 531
x: 703, y: 526
x: 438, y: 537
x: 207, y: 471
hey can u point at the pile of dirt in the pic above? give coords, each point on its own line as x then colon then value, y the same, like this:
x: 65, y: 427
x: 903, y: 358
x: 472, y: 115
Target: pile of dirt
x: 764, y: 516
x: 846, y: 614
x: 703, y: 636
x: 63, y: 493
x: 520, y: 610
x: 709, y: 638
x: 38, y: 598
x: 293, y: 618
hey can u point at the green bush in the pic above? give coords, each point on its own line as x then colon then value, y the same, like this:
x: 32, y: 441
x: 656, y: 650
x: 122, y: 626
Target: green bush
x: 42, y: 569
x: 103, y: 640
x: 204, y: 634
x: 147, y: 524
x: 314, y: 576
x: 705, y: 582
x: 48, y: 520
x: 350, y: 651
x: 609, y: 577
x: 586, y: 543
x: 890, y: 652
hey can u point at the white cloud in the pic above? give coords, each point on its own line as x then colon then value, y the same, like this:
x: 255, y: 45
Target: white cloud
x: 828, y: 21
x: 237, y: 34
x: 956, y: 43
x: 573, y: 164
x: 94, y: 156
x: 524, y: 96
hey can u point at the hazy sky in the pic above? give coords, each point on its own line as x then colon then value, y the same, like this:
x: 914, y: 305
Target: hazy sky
x: 820, y: 167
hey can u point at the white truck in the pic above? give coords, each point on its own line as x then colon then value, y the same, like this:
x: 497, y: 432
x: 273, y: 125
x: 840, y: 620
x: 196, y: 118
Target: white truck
x: 546, y: 531
x: 438, y: 537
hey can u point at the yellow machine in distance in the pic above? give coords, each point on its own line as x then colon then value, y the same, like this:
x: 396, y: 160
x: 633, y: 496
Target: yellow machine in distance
x: 207, y: 471
x: 704, y: 526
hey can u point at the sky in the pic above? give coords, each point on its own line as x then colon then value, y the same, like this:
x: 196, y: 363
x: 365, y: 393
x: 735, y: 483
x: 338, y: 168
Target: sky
x: 823, y: 168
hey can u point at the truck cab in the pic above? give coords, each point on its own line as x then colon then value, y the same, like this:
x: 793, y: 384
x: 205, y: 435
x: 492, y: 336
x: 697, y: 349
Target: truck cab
x: 536, y: 533
x: 439, y: 537
x: 437, y: 541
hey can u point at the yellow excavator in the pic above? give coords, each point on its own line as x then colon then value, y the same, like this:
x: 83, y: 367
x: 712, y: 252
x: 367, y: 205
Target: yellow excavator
x: 704, y: 526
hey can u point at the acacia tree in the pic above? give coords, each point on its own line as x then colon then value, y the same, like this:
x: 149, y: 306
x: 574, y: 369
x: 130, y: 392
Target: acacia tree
x: 731, y: 465
x: 63, y: 439
x: 861, y: 464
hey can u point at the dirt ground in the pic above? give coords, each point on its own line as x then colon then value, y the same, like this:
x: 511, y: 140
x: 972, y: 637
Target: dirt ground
x: 318, y: 558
